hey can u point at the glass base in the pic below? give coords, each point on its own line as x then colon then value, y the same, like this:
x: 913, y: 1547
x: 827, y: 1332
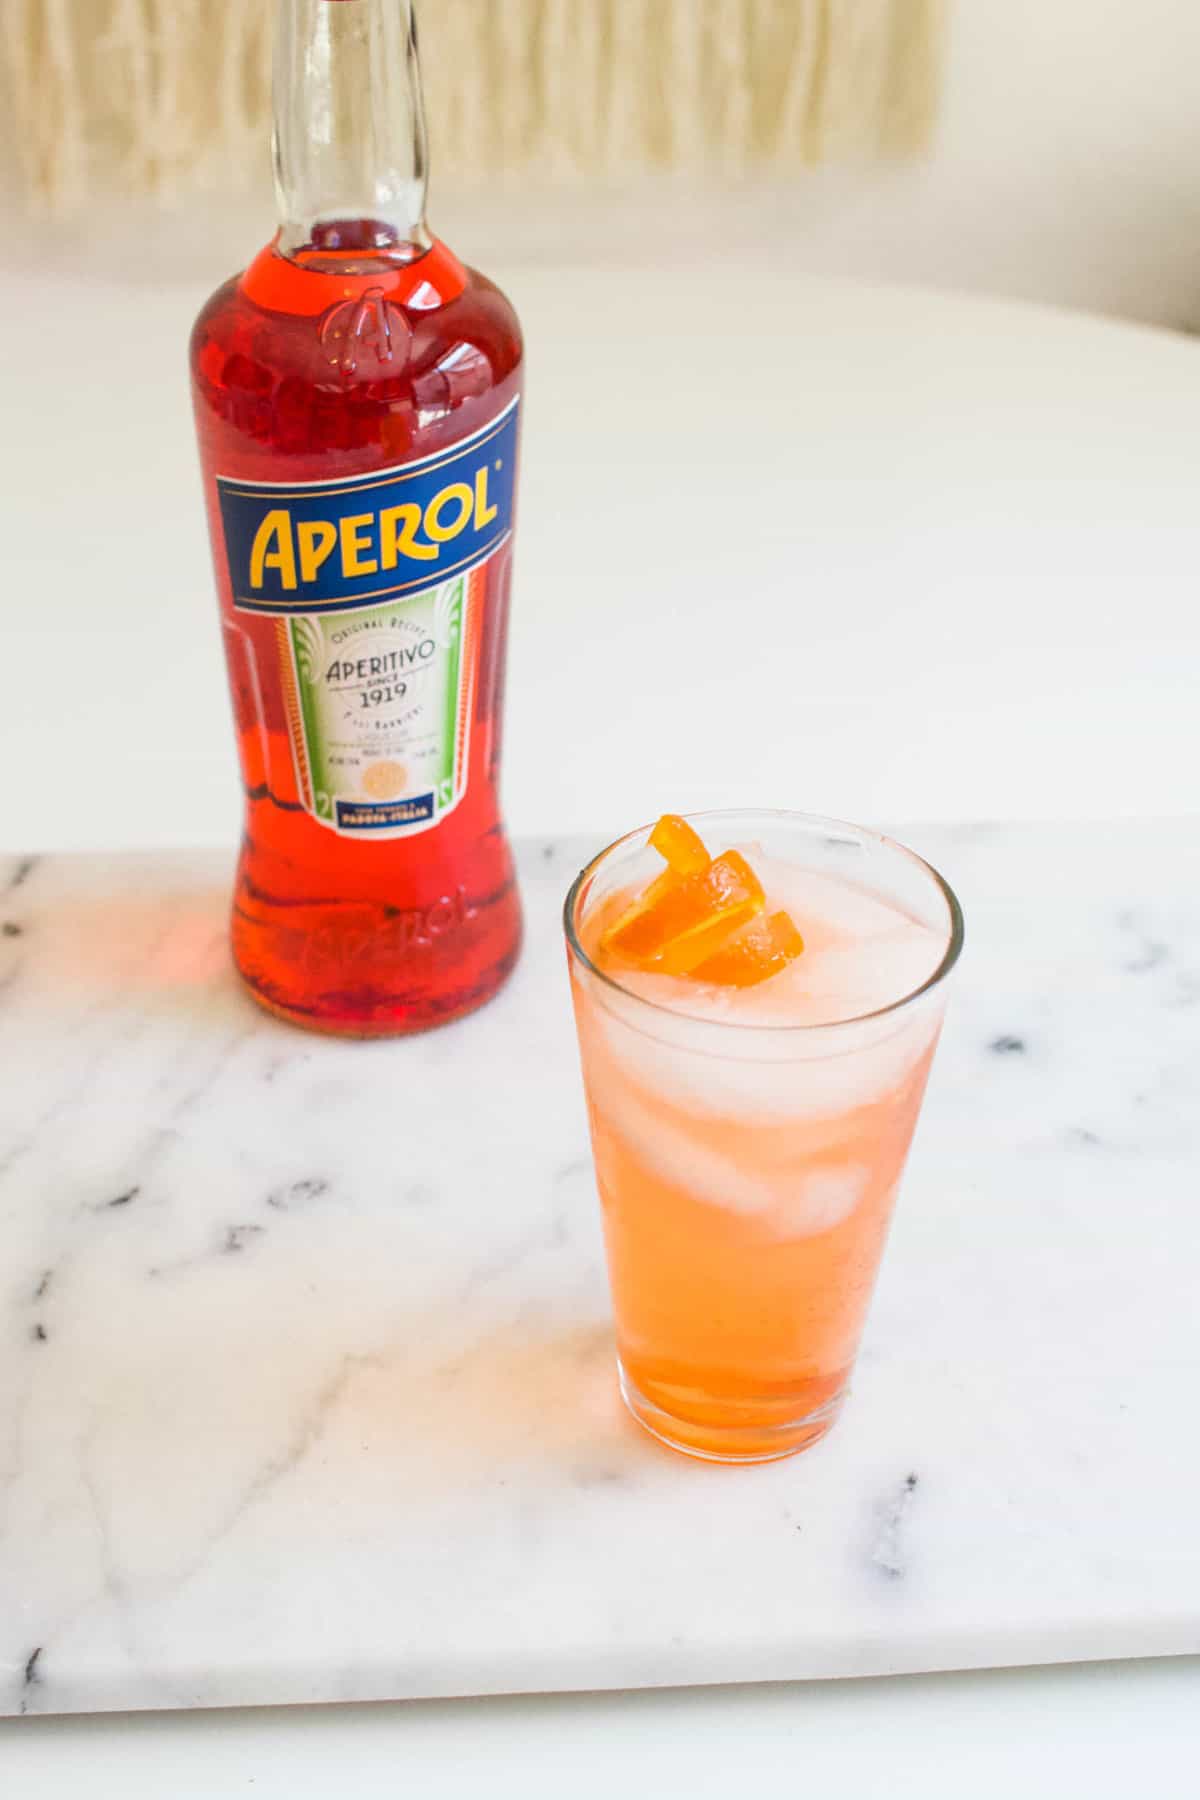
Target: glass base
x: 739, y: 1442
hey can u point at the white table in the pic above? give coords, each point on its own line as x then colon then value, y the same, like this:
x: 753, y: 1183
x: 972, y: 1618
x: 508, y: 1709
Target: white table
x: 877, y: 553
x: 870, y: 551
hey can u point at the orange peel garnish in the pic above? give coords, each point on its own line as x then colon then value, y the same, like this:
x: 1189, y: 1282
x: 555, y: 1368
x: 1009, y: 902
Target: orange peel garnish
x: 703, y: 916
x: 760, y: 949
x: 684, y: 853
x: 676, y: 929
x: 681, y: 848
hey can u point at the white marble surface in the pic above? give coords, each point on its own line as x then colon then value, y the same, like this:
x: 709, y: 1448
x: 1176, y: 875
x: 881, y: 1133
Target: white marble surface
x: 305, y: 1391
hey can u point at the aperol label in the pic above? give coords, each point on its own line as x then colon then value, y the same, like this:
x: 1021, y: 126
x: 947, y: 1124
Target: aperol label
x: 329, y: 546
x: 378, y: 702
x: 376, y: 583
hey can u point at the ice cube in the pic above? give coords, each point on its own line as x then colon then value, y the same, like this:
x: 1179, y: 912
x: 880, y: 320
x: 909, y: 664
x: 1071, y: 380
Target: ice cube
x: 821, y: 1199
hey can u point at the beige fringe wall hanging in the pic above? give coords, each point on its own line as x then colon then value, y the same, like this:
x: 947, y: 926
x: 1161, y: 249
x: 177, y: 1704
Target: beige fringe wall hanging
x: 168, y: 96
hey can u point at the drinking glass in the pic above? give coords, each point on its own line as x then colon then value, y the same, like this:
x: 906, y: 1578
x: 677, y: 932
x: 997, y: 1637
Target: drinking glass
x: 747, y: 1169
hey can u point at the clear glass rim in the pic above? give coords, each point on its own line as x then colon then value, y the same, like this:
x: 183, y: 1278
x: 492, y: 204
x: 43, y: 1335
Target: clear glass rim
x: 784, y: 815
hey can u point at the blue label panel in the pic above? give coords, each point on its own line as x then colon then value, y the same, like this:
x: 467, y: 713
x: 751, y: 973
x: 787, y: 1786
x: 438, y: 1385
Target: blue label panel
x: 311, y: 547
x: 383, y: 815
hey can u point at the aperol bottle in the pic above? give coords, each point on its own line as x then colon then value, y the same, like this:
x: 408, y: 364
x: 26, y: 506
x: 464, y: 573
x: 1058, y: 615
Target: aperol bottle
x: 357, y: 394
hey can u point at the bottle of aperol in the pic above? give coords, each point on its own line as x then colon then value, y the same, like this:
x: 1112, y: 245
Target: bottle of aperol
x: 357, y: 394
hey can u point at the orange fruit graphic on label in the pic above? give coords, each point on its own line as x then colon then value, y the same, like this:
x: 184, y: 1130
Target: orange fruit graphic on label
x: 384, y: 780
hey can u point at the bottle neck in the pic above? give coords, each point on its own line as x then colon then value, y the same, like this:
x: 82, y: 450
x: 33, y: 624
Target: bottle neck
x: 349, y: 137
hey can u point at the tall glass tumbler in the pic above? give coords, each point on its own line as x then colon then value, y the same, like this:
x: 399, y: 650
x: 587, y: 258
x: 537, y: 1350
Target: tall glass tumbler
x: 748, y: 1159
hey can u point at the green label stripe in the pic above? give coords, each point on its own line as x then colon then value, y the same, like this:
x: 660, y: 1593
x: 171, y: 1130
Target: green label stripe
x: 309, y: 650
x: 452, y: 622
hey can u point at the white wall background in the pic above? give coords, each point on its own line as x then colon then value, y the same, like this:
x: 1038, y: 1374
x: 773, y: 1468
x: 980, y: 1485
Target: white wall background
x: 1066, y: 169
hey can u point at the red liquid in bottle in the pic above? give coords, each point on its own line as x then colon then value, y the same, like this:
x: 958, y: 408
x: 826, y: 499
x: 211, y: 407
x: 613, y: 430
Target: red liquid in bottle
x: 307, y: 370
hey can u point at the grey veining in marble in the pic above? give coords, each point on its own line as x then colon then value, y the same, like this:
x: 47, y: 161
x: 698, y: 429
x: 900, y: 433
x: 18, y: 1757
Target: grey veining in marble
x: 305, y: 1368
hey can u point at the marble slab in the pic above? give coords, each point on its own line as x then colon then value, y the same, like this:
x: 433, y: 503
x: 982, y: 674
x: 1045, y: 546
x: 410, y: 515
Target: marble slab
x: 305, y: 1370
